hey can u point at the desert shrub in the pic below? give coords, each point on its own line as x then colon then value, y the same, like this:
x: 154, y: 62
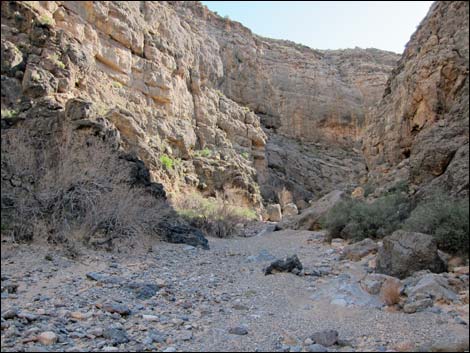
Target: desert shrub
x: 390, y: 291
x: 46, y: 20
x: 369, y: 189
x: 55, y: 59
x: 82, y: 195
x: 9, y: 113
x: 445, y: 218
x: 357, y: 219
x: 215, y: 217
x: 206, y: 153
x: 245, y: 155
x: 401, y: 186
x: 167, y: 161
x: 117, y: 84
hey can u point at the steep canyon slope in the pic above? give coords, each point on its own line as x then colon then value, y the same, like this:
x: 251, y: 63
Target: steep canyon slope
x: 420, y: 130
x: 198, y: 103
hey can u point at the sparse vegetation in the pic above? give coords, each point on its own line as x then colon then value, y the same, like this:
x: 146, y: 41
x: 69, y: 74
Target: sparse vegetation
x: 206, y: 153
x: 55, y: 58
x: 167, y: 162
x: 76, y: 201
x: 117, y: 84
x: 446, y: 219
x: 35, y: 76
x: 101, y: 109
x: 245, y: 155
x: 357, y: 219
x: 46, y: 20
x: 215, y: 217
x: 9, y: 113
x: 369, y: 189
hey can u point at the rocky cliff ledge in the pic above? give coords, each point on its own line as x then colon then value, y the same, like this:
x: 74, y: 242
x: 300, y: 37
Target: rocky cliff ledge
x: 419, y: 131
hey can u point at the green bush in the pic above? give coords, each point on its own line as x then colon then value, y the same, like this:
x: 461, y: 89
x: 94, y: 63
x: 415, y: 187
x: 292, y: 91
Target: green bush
x: 369, y: 189
x: 357, y: 219
x: 55, y: 58
x: 444, y: 218
x: 46, y: 20
x: 9, y: 113
x: 167, y: 162
x: 206, y: 153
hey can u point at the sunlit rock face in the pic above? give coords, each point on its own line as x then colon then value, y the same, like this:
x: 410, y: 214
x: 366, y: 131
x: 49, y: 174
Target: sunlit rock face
x: 419, y: 130
x: 238, y: 114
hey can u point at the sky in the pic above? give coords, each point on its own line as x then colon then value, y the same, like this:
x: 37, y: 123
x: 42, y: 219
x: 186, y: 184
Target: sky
x: 385, y: 25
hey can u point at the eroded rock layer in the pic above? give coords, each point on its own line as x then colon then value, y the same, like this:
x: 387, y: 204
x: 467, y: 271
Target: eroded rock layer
x: 189, y: 91
x: 419, y: 131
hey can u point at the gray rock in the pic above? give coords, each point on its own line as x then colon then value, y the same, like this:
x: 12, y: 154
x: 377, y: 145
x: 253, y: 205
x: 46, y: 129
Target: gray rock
x: 326, y: 338
x: 274, y: 213
x: 290, y: 264
x: 143, y: 290
x: 116, y: 335
x: 120, y: 309
x: 404, y: 253
x: 433, y: 286
x: 357, y: 251
x: 418, y: 305
x: 316, y: 348
x: 310, y: 217
x: 263, y: 256
x: 239, y: 330
x: 10, y: 314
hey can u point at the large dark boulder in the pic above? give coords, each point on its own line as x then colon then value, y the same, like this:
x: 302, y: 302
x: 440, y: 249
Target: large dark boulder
x: 290, y: 264
x: 404, y: 253
x: 179, y: 232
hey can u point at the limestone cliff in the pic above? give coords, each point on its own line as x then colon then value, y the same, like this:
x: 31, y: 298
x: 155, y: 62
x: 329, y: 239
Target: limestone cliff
x: 419, y: 131
x: 183, y: 100
x: 183, y: 85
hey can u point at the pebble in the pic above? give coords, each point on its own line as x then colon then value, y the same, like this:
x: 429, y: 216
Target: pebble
x: 150, y: 318
x: 239, y: 330
x: 316, y: 348
x: 47, y: 338
x: 116, y: 308
x: 10, y: 314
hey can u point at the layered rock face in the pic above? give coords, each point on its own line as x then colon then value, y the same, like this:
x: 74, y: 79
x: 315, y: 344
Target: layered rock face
x: 419, y: 131
x: 311, y: 103
x: 145, y: 70
x: 189, y: 93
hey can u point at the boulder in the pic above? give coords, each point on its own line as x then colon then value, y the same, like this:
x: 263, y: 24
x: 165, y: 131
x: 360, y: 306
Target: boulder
x: 290, y: 264
x: 357, y: 251
x: 274, y: 213
x: 373, y: 282
x: 325, y: 338
x: 290, y: 210
x: 47, y: 338
x: 432, y: 286
x: 309, y: 219
x: 404, y: 253
x: 418, y: 305
x: 179, y: 232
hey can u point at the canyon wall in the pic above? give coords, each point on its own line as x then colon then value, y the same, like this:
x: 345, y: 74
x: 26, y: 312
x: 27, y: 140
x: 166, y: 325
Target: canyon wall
x: 197, y: 96
x: 198, y: 103
x: 419, y: 131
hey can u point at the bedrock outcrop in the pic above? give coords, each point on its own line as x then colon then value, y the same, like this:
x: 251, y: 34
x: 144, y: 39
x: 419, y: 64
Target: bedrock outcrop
x: 419, y: 130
